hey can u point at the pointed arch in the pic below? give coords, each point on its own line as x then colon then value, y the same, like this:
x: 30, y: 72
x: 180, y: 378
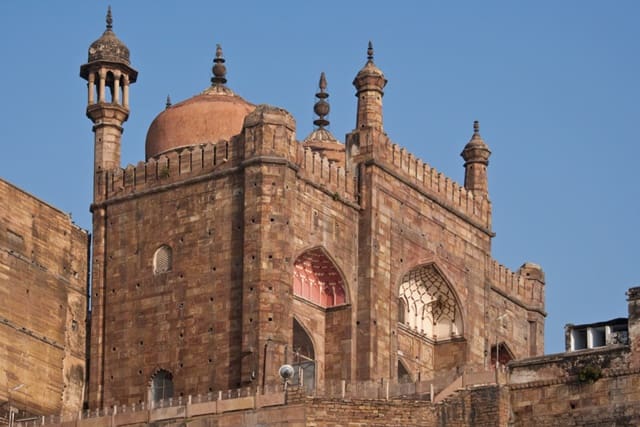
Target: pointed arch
x: 304, y: 357
x: 161, y: 385
x: 316, y: 278
x: 403, y: 373
x: 432, y: 307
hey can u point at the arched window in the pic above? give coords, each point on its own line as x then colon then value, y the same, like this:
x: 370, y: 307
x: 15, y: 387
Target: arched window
x: 402, y: 308
x: 162, y: 386
x: 162, y: 260
x: 316, y: 278
x: 430, y: 306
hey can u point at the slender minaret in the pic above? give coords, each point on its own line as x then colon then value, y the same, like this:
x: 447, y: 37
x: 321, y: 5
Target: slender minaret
x: 369, y: 83
x: 108, y: 67
x: 476, y: 159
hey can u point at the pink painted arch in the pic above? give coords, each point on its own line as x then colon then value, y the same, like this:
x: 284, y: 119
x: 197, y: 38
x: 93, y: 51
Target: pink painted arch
x: 316, y: 279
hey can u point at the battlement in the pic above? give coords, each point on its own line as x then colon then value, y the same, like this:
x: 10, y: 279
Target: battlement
x: 326, y: 174
x: 428, y: 180
x: 170, y: 167
x: 527, y: 290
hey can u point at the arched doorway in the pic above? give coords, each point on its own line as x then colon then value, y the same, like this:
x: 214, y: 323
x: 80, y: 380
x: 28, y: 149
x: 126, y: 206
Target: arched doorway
x: 304, y: 358
x: 161, y: 386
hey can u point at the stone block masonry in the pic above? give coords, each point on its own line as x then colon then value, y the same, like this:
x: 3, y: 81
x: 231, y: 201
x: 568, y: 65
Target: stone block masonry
x: 43, y: 289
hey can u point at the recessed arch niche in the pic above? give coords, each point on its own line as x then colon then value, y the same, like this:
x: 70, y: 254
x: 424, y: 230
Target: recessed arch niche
x: 427, y: 304
x: 317, y: 279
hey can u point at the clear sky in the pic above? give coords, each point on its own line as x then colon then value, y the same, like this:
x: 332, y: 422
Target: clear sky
x: 555, y: 85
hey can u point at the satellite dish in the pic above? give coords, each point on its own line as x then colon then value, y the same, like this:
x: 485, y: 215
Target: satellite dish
x: 286, y: 372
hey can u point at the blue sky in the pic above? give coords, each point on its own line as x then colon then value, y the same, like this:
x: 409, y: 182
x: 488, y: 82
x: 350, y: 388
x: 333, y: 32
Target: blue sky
x: 554, y: 85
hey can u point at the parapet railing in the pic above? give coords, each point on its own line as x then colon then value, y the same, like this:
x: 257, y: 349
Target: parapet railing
x: 254, y: 398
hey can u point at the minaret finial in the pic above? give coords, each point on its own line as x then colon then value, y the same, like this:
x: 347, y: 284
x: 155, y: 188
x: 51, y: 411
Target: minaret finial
x: 321, y: 108
x: 168, y: 104
x: 370, y: 52
x: 476, y: 128
x: 109, y: 19
x: 219, y: 69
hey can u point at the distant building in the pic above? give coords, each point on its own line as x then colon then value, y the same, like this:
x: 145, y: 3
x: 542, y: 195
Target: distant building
x: 593, y: 335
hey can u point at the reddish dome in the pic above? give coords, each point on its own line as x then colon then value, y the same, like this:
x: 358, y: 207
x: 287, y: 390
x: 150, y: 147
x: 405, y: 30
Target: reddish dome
x: 214, y: 115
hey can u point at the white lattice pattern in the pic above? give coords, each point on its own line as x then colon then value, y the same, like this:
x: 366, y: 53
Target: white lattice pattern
x: 428, y: 304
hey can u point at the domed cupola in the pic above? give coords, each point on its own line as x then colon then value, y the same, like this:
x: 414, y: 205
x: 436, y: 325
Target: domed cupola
x: 216, y: 114
x: 369, y: 84
x: 109, y: 47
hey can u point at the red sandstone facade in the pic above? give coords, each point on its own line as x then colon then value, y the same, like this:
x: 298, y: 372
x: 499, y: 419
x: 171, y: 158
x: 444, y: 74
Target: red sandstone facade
x: 236, y: 248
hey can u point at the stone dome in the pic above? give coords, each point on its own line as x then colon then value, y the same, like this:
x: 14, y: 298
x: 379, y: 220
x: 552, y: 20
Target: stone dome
x: 215, y: 114
x: 109, y: 47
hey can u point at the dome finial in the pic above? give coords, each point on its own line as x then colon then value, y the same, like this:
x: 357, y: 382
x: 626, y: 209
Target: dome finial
x: 370, y: 52
x: 321, y: 108
x: 109, y: 19
x: 219, y: 69
x: 168, y: 104
x: 476, y: 128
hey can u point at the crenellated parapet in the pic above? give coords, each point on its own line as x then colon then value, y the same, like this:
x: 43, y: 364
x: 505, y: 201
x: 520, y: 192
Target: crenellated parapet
x: 173, y: 166
x: 526, y: 286
x: 427, y: 180
x: 326, y: 174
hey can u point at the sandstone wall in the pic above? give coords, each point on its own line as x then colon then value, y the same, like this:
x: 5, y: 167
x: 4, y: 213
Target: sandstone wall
x: 43, y: 287
x: 590, y: 387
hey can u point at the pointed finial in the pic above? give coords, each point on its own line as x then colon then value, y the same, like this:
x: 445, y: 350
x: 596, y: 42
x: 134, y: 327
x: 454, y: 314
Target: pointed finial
x: 219, y: 69
x: 109, y: 19
x: 168, y: 104
x: 321, y: 108
x: 370, y: 52
x: 476, y: 127
x: 323, y: 82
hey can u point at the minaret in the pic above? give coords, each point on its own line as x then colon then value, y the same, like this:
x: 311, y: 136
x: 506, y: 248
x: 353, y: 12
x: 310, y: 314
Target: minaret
x: 476, y: 159
x: 369, y: 84
x: 108, y: 66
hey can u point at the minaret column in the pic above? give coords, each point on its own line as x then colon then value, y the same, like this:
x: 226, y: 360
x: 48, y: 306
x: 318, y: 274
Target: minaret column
x: 125, y: 91
x: 91, y: 86
x: 102, y: 74
x: 116, y: 86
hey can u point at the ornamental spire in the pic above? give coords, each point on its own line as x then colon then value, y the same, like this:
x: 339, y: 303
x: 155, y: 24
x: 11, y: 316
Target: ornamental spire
x: 370, y: 52
x: 109, y: 19
x: 219, y: 69
x: 321, y: 108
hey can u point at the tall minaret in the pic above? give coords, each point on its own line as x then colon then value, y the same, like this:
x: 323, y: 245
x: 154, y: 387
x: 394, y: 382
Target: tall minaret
x: 369, y: 84
x: 476, y: 159
x: 108, y: 67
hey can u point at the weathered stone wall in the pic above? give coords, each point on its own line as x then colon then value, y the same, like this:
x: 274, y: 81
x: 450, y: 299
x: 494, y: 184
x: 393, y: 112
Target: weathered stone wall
x: 589, y: 387
x: 185, y: 320
x: 43, y: 286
